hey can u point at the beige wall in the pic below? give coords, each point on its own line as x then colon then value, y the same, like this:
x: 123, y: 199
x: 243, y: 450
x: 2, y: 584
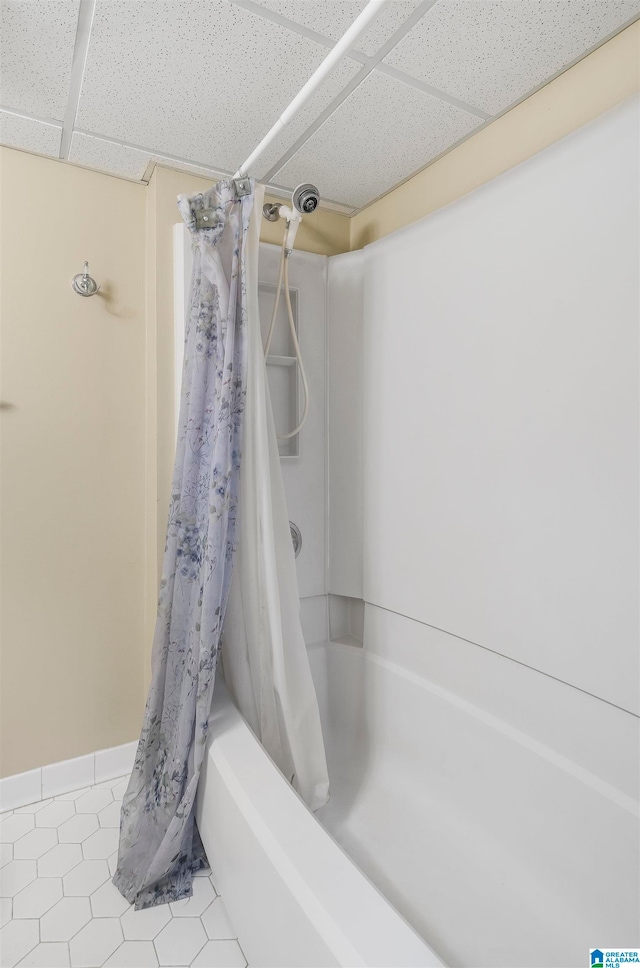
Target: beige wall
x: 598, y: 82
x: 72, y: 426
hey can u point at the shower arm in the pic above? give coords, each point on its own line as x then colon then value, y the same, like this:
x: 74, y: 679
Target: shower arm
x: 340, y: 50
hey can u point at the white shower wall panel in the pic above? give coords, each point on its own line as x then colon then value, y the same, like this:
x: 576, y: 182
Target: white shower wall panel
x: 501, y: 417
x: 305, y: 476
x: 346, y: 421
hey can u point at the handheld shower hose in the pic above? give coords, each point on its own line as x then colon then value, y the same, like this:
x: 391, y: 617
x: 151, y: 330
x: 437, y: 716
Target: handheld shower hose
x: 293, y: 221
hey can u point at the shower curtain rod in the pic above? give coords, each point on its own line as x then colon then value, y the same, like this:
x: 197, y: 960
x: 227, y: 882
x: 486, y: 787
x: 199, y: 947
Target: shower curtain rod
x: 336, y: 54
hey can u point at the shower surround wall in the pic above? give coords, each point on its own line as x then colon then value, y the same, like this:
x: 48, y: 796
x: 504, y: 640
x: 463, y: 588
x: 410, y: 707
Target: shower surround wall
x: 305, y: 476
x: 500, y: 427
x: 501, y: 419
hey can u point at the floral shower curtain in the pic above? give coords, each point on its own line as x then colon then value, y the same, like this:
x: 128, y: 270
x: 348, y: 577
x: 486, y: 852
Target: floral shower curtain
x: 160, y: 848
x: 264, y: 657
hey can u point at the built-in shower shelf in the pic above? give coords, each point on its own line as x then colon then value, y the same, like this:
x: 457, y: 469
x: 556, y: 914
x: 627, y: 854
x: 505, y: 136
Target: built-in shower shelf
x: 282, y: 370
x: 281, y: 360
x: 283, y: 383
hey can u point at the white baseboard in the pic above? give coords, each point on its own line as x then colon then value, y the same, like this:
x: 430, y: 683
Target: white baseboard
x: 63, y: 777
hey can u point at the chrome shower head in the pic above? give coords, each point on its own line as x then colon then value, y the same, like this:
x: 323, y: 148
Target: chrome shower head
x: 306, y: 198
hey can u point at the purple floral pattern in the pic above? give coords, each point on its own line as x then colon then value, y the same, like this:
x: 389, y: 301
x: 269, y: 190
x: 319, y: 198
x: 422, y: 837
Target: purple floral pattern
x: 160, y: 848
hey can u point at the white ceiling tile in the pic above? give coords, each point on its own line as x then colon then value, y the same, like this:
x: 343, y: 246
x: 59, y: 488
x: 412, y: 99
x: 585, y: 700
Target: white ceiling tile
x: 334, y: 19
x: 382, y: 133
x: 108, y: 156
x: 36, y: 49
x: 125, y: 161
x: 337, y: 80
x: 490, y: 53
x: 200, y: 79
x: 30, y: 135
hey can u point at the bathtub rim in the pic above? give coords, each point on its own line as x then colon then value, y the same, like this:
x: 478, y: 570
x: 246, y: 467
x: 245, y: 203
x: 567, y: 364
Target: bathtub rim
x: 329, y: 887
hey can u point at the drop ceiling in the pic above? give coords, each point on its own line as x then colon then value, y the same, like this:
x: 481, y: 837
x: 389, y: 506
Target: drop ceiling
x: 121, y: 85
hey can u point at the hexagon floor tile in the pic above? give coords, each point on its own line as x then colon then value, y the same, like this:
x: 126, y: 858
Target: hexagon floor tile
x: 109, y: 816
x: 77, y: 829
x: 145, y: 925
x: 101, y: 844
x: 54, y: 954
x: 15, y: 826
x: 55, y: 814
x: 59, y: 860
x: 219, y: 954
x: 34, y: 844
x: 95, y: 943
x: 16, y: 875
x: 60, y: 908
x: 180, y: 940
x: 6, y: 854
x: 18, y: 939
x: 134, y: 954
x: 195, y: 906
x: 36, y: 899
x: 216, y: 922
x: 6, y: 910
x: 65, y: 919
x: 85, y: 878
x: 108, y: 902
x: 94, y: 801
x: 120, y: 788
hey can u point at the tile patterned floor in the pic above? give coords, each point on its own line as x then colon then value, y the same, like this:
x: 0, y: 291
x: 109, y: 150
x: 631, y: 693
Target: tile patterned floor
x: 58, y: 906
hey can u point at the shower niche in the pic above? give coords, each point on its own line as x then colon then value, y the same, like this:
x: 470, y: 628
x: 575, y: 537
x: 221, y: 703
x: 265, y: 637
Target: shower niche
x: 282, y: 369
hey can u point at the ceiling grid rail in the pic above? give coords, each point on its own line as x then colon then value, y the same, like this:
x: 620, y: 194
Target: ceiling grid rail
x: 86, y: 14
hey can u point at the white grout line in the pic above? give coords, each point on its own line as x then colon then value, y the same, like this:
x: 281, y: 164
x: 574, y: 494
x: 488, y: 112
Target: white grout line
x: 80, y: 50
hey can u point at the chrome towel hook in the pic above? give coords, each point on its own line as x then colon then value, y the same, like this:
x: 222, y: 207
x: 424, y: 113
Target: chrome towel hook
x: 84, y: 284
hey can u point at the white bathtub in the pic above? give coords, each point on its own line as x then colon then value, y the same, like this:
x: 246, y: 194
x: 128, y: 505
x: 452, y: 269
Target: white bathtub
x: 497, y: 850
